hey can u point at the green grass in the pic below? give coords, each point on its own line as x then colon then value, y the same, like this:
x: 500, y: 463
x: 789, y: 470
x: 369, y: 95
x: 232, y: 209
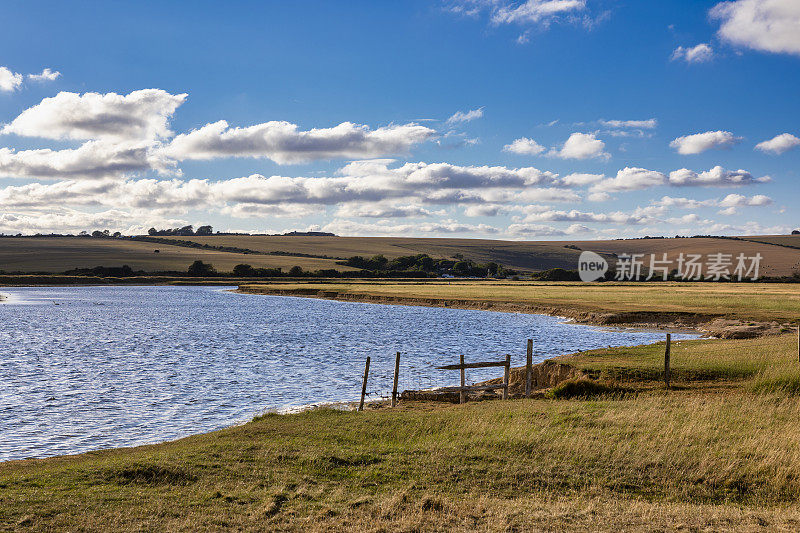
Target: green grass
x: 699, y: 457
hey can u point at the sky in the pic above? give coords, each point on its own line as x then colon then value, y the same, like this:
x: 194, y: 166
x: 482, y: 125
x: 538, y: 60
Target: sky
x: 523, y: 120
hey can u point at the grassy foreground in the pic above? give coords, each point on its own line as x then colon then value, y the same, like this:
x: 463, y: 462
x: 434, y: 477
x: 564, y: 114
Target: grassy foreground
x: 719, y: 451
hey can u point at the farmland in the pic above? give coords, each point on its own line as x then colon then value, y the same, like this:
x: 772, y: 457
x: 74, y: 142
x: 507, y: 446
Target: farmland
x: 57, y: 254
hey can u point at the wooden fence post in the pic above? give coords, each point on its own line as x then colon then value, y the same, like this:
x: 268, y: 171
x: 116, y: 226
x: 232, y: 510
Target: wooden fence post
x: 506, y: 375
x: 462, y: 396
x: 798, y: 343
x: 529, y: 369
x: 666, y: 360
x: 364, y: 386
x: 396, y: 374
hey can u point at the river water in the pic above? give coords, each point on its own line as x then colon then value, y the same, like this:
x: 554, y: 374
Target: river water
x: 84, y: 368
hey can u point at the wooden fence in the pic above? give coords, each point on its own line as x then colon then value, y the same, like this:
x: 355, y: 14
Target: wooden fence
x: 463, y: 389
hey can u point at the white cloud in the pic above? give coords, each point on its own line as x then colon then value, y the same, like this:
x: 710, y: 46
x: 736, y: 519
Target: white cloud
x: 700, y: 142
x: 715, y: 177
x: 45, y: 75
x: 283, y: 143
x: 92, y: 160
x: 579, y: 179
x: 598, y: 197
x: 536, y: 11
x: 459, y: 116
x: 616, y: 217
x: 382, y: 210
x: 140, y: 115
x: 524, y: 146
x: 702, y: 53
x: 581, y: 146
x: 738, y: 200
x: 779, y: 144
x: 765, y: 25
x: 9, y: 81
x: 539, y: 230
x: 648, y: 124
x: 631, y: 179
x: 390, y: 228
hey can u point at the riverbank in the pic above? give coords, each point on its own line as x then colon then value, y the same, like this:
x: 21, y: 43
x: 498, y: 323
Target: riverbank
x: 719, y: 452
x: 724, y: 310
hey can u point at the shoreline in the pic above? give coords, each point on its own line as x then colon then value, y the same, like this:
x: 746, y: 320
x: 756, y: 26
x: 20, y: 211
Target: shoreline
x: 707, y: 324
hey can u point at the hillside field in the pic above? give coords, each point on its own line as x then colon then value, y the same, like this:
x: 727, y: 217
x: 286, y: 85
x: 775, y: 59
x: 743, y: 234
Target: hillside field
x: 57, y: 254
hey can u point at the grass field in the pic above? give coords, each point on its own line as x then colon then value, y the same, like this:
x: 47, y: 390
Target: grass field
x: 521, y: 255
x: 59, y: 254
x: 49, y: 254
x: 715, y: 453
x: 744, y: 301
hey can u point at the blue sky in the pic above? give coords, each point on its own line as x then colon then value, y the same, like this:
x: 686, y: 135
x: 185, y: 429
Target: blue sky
x: 569, y: 119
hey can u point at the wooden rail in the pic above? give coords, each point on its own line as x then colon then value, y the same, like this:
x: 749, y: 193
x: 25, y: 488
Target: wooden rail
x: 463, y: 389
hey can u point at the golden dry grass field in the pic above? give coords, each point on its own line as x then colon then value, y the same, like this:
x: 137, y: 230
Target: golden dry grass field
x: 521, y: 255
x: 743, y: 301
x: 53, y: 254
x: 59, y: 254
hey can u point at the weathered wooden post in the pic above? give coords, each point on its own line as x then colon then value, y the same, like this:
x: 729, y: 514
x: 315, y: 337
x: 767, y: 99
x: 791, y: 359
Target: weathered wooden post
x: 364, y: 386
x: 462, y: 395
x: 798, y: 343
x: 396, y: 374
x: 529, y: 369
x: 506, y: 373
x: 666, y: 360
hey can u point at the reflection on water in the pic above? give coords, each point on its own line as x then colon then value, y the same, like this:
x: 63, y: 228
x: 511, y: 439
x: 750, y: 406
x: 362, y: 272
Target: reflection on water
x: 84, y: 368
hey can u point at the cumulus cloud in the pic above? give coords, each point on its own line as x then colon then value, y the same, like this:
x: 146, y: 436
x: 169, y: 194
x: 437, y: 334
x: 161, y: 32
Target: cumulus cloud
x: 702, y: 53
x: 92, y: 160
x: 701, y: 142
x: 631, y: 179
x: 46, y: 75
x: 140, y: 115
x: 616, y: 217
x: 765, y: 25
x: 524, y: 146
x: 460, y: 116
x: 390, y: 228
x: 9, y: 81
x: 738, y: 200
x: 581, y: 146
x: 715, y: 177
x: 779, y: 144
x: 579, y: 179
x: 283, y: 143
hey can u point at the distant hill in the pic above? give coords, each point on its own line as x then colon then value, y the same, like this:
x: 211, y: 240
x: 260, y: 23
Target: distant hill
x: 781, y: 253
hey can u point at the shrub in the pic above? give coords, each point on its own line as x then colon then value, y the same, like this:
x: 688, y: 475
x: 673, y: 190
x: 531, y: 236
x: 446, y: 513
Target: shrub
x: 581, y: 388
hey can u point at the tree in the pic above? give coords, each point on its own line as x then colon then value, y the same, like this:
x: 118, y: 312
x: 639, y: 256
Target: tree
x: 98, y: 233
x: 152, y: 231
x: 204, y: 230
x: 198, y: 268
x: 243, y: 270
x: 296, y: 271
x: 796, y: 232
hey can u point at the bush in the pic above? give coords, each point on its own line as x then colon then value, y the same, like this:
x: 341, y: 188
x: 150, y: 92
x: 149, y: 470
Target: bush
x: 198, y: 268
x: 581, y: 388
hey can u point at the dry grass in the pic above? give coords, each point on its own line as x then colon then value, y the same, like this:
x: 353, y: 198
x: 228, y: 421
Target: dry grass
x: 521, y: 255
x: 747, y: 301
x: 58, y: 254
